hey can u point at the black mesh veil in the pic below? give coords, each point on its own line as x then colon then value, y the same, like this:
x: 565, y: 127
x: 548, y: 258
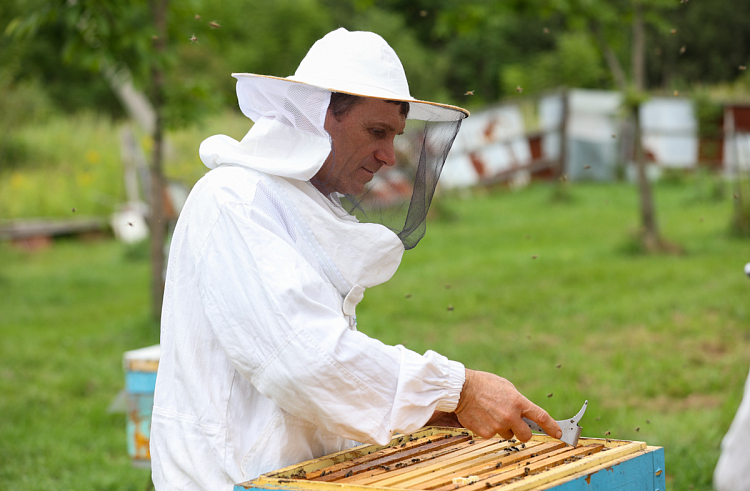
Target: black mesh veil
x: 399, y: 196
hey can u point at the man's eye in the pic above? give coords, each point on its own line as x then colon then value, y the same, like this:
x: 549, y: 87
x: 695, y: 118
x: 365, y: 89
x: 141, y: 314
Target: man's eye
x: 377, y: 132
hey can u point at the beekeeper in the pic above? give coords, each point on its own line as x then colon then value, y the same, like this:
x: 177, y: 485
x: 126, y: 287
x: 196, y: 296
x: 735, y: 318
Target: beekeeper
x: 261, y: 364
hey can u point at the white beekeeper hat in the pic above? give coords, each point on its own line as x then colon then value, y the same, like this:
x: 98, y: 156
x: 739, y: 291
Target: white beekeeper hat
x: 358, y: 63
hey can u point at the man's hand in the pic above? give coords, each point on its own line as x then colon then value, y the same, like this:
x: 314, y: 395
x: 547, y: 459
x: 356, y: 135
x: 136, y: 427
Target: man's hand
x: 491, y: 405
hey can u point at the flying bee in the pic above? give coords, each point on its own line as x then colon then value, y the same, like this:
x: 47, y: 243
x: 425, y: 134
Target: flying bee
x: 197, y: 17
x: 549, y: 395
x: 534, y: 256
x: 193, y: 39
x: 682, y: 50
x: 586, y: 166
x: 519, y: 89
x: 673, y: 32
x: 214, y: 25
x: 606, y: 433
x: 450, y: 308
x: 546, y: 30
x: 469, y: 92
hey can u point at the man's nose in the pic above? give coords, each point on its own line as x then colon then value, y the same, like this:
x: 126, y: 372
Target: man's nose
x: 386, y: 154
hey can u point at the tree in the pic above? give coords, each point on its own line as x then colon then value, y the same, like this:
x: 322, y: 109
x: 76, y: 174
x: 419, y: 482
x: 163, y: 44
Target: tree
x: 124, y: 41
x: 605, y: 20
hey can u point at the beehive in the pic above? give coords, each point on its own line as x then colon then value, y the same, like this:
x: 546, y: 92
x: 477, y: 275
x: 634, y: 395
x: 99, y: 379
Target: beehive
x: 447, y: 459
x: 140, y: 380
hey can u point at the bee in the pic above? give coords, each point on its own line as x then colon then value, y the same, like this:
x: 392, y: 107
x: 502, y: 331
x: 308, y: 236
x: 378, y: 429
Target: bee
x: 534, y: 256
x: 415, y: 460
x: 682, y: 50
x: 586, y: 166
x: 450, y: 308
x: 423, y: 13
x: 73, y: 210
x: 526, y: 471
x: 676, y: 93
x: 349, y: 474
x: 606, y: 433
x: 197, y: 17
x: 130, y: 223
x: 614, y: 136
x: 408, y: 295
x: 549, y: 395
x: 559, y: 365
x: 673, y: 32
x: 519, y: 89
x: 648, y: 421
x: 469, y: 92
x: 563, y: 178
x: 214, y: 25
x: 742, y: 67
x: 546, y: 30
x: 638, y: 429
x: 193, y: 39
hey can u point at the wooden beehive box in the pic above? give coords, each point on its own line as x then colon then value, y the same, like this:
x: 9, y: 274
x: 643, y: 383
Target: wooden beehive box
x: 446, y: 459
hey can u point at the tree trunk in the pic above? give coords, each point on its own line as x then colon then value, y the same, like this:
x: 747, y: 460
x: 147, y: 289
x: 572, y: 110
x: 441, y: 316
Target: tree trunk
x: 157, y: 220
x: 652, y: 241
x: 650, y: 233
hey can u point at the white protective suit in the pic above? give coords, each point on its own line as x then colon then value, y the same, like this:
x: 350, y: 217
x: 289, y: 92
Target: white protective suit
x: 261, y: 366
x: 261, y: 363
x: 732, y: 472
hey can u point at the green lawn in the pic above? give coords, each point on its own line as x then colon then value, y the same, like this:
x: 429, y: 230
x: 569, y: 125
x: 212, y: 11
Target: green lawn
x: 659, y: 345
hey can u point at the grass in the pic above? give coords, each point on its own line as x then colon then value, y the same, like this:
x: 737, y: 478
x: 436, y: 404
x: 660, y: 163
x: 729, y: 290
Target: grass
x: 659, y: 345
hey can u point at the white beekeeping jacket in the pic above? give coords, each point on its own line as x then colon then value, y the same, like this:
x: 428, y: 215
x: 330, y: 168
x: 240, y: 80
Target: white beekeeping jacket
x: 262, y: 365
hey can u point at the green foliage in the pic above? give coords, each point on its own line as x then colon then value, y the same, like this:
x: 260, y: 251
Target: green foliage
x: 575, y: 62
x: 20, y: 103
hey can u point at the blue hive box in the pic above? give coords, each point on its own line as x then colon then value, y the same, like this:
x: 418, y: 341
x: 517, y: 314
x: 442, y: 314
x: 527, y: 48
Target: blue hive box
x: 140, y: 380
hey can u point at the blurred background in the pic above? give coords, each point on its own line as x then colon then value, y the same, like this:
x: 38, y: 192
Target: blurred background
x: 587, y: 239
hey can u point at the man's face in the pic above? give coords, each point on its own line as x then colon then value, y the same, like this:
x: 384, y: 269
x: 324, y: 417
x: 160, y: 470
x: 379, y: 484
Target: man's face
x: 362, y: 144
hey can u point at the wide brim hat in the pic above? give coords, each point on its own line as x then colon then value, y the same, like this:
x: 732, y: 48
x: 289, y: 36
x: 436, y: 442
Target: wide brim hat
x: 351, y: 62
